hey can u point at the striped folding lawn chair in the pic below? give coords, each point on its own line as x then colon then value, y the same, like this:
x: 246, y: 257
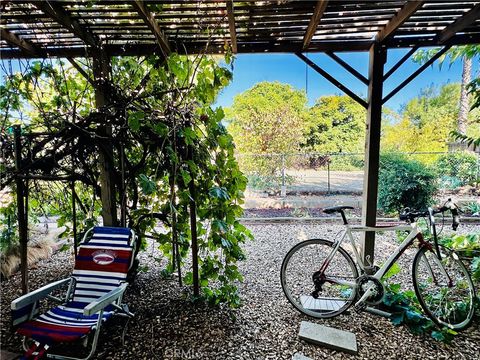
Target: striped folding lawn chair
x: 94, y: 295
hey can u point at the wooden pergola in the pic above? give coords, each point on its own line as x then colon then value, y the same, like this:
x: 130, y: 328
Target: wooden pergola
x: 102, y: 29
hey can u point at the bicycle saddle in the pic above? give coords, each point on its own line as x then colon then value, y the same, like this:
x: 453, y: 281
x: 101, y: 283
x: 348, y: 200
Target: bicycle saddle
x: 333, y: 209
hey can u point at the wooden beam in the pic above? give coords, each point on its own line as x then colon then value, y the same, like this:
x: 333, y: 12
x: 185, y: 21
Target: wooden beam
x: 334, y: 81
x: 26, y: 46
x: 55, y: 11
x: 246, y: 48
x: 403, y: 14
x: 347, y: 67
x: 81, y: 71
x: 372, y: 149
x: 400, y: 62
x: 231, y: 25
x: 458, y: 25
x: 149, y: 19
x: 314, y: 21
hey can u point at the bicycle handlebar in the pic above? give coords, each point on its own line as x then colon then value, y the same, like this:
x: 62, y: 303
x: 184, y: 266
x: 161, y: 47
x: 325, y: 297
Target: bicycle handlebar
x: 411, y: 216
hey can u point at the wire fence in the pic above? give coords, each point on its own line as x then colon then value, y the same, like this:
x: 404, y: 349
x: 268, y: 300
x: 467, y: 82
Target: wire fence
x: 317, y: 173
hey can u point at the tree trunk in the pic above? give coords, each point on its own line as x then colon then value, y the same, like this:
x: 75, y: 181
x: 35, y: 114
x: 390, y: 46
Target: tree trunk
x: 464, y: 98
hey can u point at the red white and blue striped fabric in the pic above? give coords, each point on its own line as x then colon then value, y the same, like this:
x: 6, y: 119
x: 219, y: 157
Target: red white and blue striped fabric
x: 101, y: 265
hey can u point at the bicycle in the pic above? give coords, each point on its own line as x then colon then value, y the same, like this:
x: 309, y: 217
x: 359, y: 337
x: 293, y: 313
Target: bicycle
x: 320, y: 278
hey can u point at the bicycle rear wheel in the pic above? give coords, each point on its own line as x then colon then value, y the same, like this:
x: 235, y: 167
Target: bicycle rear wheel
x: 338, y: 289
x: 444, y: 288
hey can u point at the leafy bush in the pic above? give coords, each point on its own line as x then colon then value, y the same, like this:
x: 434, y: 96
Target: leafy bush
x: 404, y: 183
x: 468, y: 246
x: 472, y: 207
x: 406, y: 310
x: 458, y: 169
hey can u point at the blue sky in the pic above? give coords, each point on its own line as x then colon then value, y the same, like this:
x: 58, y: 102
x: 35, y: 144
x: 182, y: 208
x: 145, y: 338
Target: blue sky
x: 250, y: 69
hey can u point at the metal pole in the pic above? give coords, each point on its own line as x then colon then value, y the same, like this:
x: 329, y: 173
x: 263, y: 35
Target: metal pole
x: 123, y: 193
x: 74, y: 217
x: 193, y: 230
x: 283, y: 191
x: 74, y: 207
x: 22, y: 224
x: 174, y: 226
x: 328, y: 175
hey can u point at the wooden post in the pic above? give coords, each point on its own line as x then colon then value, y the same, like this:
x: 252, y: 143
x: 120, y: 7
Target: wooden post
x: 22, y: 221
x: 193, y: 230
x: 101, y: 70
x: 372, y: 149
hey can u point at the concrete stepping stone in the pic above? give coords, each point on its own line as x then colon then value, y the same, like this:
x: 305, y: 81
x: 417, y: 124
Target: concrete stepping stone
x: 328, y: 337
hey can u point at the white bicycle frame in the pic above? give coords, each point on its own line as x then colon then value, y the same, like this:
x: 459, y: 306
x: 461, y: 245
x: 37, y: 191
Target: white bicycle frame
x: 414, y: 233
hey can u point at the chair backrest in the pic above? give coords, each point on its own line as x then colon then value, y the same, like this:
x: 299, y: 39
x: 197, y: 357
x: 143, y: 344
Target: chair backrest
x: 102, y: 262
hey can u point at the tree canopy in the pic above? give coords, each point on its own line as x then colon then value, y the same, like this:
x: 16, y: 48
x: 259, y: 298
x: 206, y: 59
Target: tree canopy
x: 335, y: 124
x: 268, y: 118
x: 426, y: 121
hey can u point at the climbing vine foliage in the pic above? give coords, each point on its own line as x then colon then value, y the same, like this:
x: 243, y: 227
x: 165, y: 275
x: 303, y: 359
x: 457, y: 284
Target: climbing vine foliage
x: 177, y: 157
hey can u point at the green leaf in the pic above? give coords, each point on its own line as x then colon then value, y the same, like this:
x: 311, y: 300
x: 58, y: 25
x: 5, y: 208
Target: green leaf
x: 438, y: 335
x: 219, y: 225
x: 397, y: 318
x: 148, y: 186
x: 186, y: 177
x: 188, y: 278
x: 219, y: 193
x: 394, y: 270
x: 394, y: 288
x: 160, y: 129
x: 134, y: 120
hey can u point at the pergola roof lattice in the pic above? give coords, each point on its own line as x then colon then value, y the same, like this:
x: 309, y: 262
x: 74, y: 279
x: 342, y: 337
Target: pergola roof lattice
x: 68, y: 28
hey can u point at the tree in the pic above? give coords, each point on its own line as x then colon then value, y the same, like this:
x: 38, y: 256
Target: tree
x: 426, y: 121
x: 464, y: 98
x: 177, y: 157
x: 336, y: 124
x: 266, y: 119
x: 467, y: 53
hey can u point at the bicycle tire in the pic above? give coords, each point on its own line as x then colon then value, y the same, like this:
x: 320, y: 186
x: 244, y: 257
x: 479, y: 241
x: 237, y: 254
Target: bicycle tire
x: 325, y: 306
x: 451, y: 303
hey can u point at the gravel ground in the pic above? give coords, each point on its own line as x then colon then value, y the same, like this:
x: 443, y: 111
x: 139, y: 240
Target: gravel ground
x: 168, y: 325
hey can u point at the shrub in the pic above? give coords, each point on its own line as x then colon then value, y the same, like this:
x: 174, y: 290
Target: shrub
x: 458, y: 169
x: 405, y: 183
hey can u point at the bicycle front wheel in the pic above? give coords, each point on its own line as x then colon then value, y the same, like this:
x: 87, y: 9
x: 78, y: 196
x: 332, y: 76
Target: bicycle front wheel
x: 444, y: 288
x: 302, y: 264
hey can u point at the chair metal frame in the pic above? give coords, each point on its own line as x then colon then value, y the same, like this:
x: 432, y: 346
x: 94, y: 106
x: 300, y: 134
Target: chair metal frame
x: 113, y: 298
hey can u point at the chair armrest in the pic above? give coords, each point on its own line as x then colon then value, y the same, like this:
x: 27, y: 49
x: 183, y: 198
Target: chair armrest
x: 38, y: 294
x: 104, y: 301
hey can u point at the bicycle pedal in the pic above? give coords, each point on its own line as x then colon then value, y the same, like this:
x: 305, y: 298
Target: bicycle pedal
x: 359, y: 307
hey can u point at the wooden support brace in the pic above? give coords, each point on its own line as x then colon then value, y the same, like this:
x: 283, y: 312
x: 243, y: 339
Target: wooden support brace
x: 415, y: 74
x: 334, y: 81
x: 400, y: 62
x: 347, y: 67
